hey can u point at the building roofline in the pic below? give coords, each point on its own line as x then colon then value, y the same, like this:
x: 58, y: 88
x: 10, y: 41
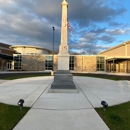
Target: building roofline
x: 9, y: 49
x: 122, y: 44
x: 4, y: 45
x: 26, y: 46
x: 3, y: 55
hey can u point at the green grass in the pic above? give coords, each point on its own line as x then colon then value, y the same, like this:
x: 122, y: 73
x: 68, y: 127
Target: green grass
x: 111, y: 77
x: 116, y: 117
x: 26, y: 76
x: 10, y: 116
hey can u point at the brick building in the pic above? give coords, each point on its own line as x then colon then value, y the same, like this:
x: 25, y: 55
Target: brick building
x: 6, y: 56
x: 117, y: 59
x: 33, y: 58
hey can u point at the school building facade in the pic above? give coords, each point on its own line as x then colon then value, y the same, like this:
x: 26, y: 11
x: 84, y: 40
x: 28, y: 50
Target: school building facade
x: 33, y: 58
x: 117, y: 59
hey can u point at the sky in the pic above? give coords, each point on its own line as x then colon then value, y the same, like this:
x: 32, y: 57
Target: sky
x: 96, y: 24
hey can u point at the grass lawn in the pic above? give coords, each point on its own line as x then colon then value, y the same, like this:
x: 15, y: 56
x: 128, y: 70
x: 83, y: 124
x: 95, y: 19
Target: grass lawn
x: 10, y: 116
x: 116, y: 117
x: 26, y: 76
x: 103, y: 76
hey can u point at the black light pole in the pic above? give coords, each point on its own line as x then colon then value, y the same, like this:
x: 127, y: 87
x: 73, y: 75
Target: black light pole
x: 53, y: 50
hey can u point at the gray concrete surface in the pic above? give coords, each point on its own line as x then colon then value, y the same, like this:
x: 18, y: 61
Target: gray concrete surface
x: 63, y: 111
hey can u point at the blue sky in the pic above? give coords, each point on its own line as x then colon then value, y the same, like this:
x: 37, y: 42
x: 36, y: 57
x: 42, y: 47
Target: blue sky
x: 97, y: 24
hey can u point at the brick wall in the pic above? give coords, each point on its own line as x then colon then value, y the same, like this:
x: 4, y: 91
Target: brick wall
x: 37, y: 63
x: 89, y: 63
x: 78, y: 63
x: 33, y: 63
x: 85, y: 63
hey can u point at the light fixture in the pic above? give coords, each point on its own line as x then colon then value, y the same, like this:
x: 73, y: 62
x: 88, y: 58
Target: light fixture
x: 20, y: 103
x: 104, y: 104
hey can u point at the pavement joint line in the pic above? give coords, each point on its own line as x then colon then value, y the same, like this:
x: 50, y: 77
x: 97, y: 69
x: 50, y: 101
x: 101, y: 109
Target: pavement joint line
x: 85, y: 94
x: 42, y: 92
x: 33, y: 92
x: 62, y: 109
x: 90, y: 90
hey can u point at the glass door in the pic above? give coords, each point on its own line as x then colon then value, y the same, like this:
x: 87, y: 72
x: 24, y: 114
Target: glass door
x: 9, y: 65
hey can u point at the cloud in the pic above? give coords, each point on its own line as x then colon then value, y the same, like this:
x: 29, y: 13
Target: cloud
x: 93, y: 11
x: 96, y: 35
x: 118, y: 31
x: 107, y: 39
x: 115, y: 24
x: 98, y: 30
x: 84, y: 47
x: 30, y: 22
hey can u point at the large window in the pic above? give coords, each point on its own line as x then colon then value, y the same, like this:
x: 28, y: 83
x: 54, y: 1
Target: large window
x: 71, y: 63
x: 100, y: 63
x: 49, y: 63
x: 17, y: 62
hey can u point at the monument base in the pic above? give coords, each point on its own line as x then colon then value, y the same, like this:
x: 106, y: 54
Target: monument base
x: 63, y: 82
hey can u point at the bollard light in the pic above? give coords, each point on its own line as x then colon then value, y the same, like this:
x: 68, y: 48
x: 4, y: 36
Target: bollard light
x: 104, y: 104
x: 20, y: 103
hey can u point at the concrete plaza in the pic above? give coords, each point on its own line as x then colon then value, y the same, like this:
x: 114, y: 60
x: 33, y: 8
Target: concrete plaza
x: 63, y: 111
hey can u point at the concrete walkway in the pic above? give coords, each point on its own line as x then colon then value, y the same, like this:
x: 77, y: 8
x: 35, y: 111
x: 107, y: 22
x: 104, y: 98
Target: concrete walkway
x: 63, y: 111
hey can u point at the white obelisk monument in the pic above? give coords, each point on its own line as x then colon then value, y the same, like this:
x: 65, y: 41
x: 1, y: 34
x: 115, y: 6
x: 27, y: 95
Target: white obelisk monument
x: 63, y: 56
x: 63, y: 79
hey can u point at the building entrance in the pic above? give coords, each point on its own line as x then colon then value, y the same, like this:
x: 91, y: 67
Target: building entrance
x: 9, y: 65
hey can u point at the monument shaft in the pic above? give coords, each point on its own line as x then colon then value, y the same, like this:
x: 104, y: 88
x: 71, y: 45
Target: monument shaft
x: 64, y: 36
x: 63, y: 56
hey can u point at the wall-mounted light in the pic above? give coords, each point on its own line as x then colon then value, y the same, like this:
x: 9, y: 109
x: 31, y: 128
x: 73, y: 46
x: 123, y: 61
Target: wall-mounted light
x: 20, y: 103
x: 104, y: 104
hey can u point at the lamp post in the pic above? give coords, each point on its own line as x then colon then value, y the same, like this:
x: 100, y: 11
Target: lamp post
x: 53, y: 28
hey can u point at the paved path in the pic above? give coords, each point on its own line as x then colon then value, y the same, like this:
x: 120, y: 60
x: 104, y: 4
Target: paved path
x: 63, y: 111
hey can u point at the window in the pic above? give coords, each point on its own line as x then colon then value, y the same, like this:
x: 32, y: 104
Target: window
x: 17, y: 62
x: 49, y: 63
x: 71, y: 63
x: 100, y: 63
